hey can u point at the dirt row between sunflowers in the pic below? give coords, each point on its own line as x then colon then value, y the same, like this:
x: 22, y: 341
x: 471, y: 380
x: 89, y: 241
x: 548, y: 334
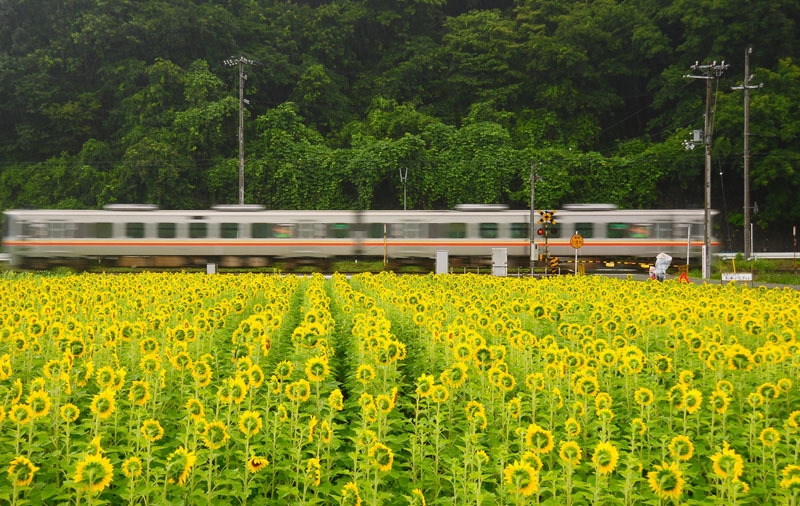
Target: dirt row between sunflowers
x: 167, y: 388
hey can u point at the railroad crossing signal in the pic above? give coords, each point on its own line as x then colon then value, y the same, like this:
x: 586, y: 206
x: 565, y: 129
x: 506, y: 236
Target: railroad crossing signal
x: 553, y: 262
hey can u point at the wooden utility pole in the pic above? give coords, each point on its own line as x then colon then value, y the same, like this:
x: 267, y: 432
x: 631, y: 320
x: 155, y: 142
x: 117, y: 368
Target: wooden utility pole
x: 711, y: 72
x: 748, y: 247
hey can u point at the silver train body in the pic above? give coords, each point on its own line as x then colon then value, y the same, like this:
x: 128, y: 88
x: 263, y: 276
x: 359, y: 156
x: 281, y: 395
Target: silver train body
x: 248, y: 236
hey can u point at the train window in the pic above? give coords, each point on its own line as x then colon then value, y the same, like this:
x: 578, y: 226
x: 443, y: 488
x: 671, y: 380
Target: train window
x: 456, y: 230
x: 60, y: 229
x: 586, y: 230
x: 663, y: 230
x: 134, y: 230
x: 166, y: 230
x: 488, y: 230
x: 260, y: 230
x: 311, y: 230
x: 640, y: 231
x: 414, y: 230
x: 198, y: 230
x: 229, y: 230
x: 340, y: 230
x: 375, y: 231
x: 83, y: 230
x: 519, y: 230
x: 103, y: 230
x: 284, y: 230
x: 617, y: 230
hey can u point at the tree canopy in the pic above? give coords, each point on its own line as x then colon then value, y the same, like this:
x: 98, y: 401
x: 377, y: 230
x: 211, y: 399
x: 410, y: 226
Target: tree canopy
x: 129, y: 101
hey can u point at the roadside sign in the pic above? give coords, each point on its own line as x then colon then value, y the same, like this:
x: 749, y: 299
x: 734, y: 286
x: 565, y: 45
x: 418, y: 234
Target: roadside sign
x: 576, y: 241
x: 684, y: 278
x: 737, y: 276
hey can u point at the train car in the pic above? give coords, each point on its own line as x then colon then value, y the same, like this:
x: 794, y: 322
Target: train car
x: 249, y: 236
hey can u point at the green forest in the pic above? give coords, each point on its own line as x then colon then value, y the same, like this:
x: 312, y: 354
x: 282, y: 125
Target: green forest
x: 131, y: 101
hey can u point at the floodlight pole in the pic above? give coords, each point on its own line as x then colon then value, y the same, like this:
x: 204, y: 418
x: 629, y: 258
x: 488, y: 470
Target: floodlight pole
x: 241, y: 61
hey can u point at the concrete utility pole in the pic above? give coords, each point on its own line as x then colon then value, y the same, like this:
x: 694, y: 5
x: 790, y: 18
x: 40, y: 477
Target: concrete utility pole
x: 711, y: 72
x: 531, y: 225
x: 746, y: 87
x: 241, y: 61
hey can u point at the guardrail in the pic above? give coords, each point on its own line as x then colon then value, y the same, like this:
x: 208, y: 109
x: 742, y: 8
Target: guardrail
x: 763, y: 255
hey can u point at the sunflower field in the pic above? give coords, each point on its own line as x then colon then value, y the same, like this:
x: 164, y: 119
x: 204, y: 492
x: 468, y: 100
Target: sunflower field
x: 393, y: 390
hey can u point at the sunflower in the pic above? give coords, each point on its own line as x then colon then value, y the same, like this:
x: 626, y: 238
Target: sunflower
x: 522, y: 478
x: 139, y: 393
x: 350, y: 496
x: 535, y: 381
x: 202, y: 373
x: 39, y: 403
x: 103, y: 404
x: 417, y: 499
x: 439, y: 394
x: 681, y: 448
x: 769, y: 437
x: 132, y: 467
x: 425, y: 385
x: 21, y: 471
x: 215, y: 435
x: 152, y: 430
x: 238, y: 389
x: 20, y: 413
x: 384, y: 403
x: 256, y: 464
x: 666, y: 480
x: 643, y: 397
x: 638, y: 425
x: 250, y: 423
x: 195, y: 409
x: 726, y: 463
x: 381, y: 456
x: 538, y: 439
x: 284, y: 369
x: 791, y: 478
x: 69, y: 412
x: 572, y: 427
x: 313, y: 473
x: 317, y: 369
x: 298, y: 391
x: 719, y: 401
x: 94, y: 473
x: 605, y: 457
x: 179, y: 465
x: 514, y: 407
x: 570, y: 453
x: 336, y: 400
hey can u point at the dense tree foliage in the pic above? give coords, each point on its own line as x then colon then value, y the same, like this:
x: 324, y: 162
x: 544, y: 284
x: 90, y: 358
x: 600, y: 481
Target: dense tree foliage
x: 129, y: 101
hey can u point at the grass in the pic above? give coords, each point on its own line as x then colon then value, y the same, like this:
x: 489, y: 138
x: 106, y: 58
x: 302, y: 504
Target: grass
x: 778, y: 271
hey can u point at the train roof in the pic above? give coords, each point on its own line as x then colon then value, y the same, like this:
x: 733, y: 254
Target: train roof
x: 311, y: 213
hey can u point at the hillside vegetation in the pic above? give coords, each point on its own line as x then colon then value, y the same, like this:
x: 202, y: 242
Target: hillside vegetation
x: 129, y: 101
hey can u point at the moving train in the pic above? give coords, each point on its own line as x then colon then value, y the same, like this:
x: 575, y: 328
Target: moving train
x: 248, y: 236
